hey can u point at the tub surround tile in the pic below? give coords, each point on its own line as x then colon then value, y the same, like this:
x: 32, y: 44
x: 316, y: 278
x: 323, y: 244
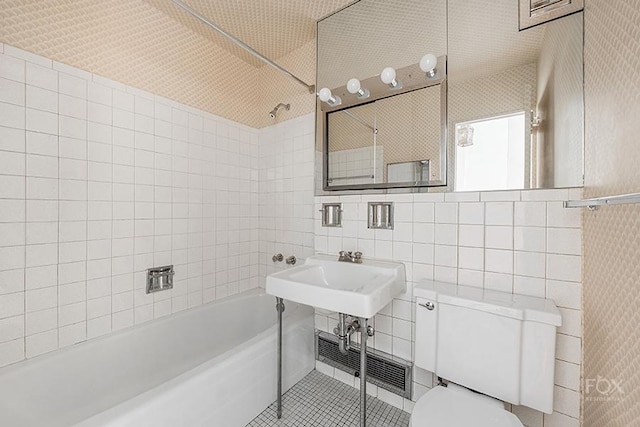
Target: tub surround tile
x: 100, y: 181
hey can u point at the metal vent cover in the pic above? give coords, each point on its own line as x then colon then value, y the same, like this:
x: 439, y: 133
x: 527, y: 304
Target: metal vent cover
x: 383, y: 370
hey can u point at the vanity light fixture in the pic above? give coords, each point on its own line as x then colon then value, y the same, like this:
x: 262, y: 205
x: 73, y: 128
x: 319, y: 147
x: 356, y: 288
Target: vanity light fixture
x: 428, y: 65
x: 353, y: 86
x: 325, y: 95
x: 388, y: 76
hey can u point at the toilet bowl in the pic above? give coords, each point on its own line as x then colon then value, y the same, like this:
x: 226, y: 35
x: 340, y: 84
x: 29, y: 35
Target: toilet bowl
x: 457, y: 406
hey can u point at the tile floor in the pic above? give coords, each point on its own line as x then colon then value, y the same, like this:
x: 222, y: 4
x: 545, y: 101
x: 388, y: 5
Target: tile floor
x: 321, y: 401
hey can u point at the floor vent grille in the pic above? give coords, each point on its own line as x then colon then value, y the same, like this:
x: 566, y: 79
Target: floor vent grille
x: 391, y: 373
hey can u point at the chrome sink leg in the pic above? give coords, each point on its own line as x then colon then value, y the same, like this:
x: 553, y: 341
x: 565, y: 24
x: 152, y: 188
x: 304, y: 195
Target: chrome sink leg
x: 363, y: 372
x: 280, y: 308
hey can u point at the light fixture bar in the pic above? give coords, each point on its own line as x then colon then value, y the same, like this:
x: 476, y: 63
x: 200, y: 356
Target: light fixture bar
x: 243, y: 45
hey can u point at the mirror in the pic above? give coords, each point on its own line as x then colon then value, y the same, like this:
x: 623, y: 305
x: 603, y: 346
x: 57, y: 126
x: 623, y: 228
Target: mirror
x: 514, y: 99
x: 396, y: 136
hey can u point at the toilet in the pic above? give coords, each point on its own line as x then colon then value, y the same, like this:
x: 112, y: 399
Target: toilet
x: 489, y: 348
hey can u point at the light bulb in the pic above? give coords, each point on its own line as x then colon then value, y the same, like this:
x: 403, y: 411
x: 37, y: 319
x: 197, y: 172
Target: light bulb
x: 353, y: 85
x: 324, y: 94
x: 388, y: 75
x: 428, y: 64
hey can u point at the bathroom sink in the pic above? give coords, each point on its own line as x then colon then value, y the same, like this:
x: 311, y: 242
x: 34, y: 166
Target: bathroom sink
x: 357, y: 289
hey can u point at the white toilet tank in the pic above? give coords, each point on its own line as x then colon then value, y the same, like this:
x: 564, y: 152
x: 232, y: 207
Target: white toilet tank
x: 497, y: 343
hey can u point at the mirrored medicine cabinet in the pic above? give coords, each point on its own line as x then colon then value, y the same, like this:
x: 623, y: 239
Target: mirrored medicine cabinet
x: 503, y: 110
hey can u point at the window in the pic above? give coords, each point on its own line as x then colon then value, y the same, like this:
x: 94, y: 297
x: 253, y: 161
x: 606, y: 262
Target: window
x: 490, y: 154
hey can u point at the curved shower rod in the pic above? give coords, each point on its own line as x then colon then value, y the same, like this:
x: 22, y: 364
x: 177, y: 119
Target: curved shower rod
x: 243, y: 45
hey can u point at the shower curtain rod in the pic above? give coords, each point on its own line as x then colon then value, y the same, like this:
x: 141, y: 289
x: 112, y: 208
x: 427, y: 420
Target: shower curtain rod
x: 243, y: 45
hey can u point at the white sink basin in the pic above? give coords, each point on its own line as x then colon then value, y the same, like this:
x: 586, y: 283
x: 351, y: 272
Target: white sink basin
x: 357, y: 289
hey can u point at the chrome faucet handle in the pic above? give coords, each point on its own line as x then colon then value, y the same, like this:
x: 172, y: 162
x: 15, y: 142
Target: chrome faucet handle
x: 358, y: 255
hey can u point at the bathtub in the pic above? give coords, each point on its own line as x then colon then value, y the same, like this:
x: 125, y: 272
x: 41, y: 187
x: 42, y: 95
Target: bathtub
x: 214, y: 365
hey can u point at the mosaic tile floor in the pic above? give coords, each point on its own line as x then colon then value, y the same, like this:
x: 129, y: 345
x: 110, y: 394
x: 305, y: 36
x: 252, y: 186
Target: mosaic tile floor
x: 321, y: 401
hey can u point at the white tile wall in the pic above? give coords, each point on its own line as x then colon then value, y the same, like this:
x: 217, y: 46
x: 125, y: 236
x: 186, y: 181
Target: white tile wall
x: 100, y: 181
x: 521, y: 242
x: 286, y: 189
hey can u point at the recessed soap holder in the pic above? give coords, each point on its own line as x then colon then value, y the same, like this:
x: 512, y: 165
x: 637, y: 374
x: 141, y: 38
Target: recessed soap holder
x: 380, y: 215
x: 160, y: 278
x: 331, y: 214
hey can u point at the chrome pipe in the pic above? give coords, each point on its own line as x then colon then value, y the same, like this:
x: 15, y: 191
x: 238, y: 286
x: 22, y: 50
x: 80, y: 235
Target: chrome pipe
x: 363, y: 372
x: 342, y: 331
x: 240, y: 43
x: 280, y: 308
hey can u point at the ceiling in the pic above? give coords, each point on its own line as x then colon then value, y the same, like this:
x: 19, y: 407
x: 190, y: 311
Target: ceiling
x: 274, y: 28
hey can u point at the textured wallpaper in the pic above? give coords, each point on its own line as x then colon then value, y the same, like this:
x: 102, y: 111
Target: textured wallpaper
x: 155, y: 47
x: 611, y: 235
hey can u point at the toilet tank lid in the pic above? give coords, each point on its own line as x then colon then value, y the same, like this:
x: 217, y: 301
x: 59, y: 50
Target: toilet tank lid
x: 520, y: 307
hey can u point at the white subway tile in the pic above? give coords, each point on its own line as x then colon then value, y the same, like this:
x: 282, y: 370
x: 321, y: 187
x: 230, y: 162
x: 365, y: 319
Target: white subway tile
x: 72, y: 107
x: 545, y: 194
x: 531, y: 214
x: 529, y: 264
x: 423, y: 233
x: 499, y: 213
x: 566, y: 401
x: 446, y: 234
x: 42, y: 166
x: 471, y: 235
x: 564, y: 267
x: 532, y: 286
x: 423, y: 212
x: 499, y: 237
x: 41, y: 277
x: 13, y: 234
x: 568, y: 348
x: 11, y: 281
x: 566, y: 241
x: 498, y: 282
x: 471, y: 258
x: 529, y: 239
x: 571, y: 322
x: 97, y: 92
x: 12, y: 68
x: 43, y: 77
x: 559, y: 216
x: 72, y: 334
x: 41, y: 299
x: 445, y: 256
x: 72, y: 313
x: 11, y: 328
x: 471, y: 213
x: 500, y: 196
x: 42, y: 99
x: 42, y: 188
x: 12, y: 92
x: 11, y: 352
x: 12, y: 139
x: 446, y: 213
x: 499, y: 261
x: 42, y: 210
x: 72, y: 85
x: 42, y: 143
x: 41, y: 321
x: 12, y: 257
x: 567, y: 375
x: 565, y: 294
x: 41, y: 343
x: 12, y: 116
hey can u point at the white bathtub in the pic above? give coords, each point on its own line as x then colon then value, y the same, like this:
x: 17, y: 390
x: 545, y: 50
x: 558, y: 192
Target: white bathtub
x: 214, y: 365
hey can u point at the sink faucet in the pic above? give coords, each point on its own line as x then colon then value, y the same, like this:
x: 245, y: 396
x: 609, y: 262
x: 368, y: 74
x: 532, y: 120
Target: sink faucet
x: 350, y: 257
